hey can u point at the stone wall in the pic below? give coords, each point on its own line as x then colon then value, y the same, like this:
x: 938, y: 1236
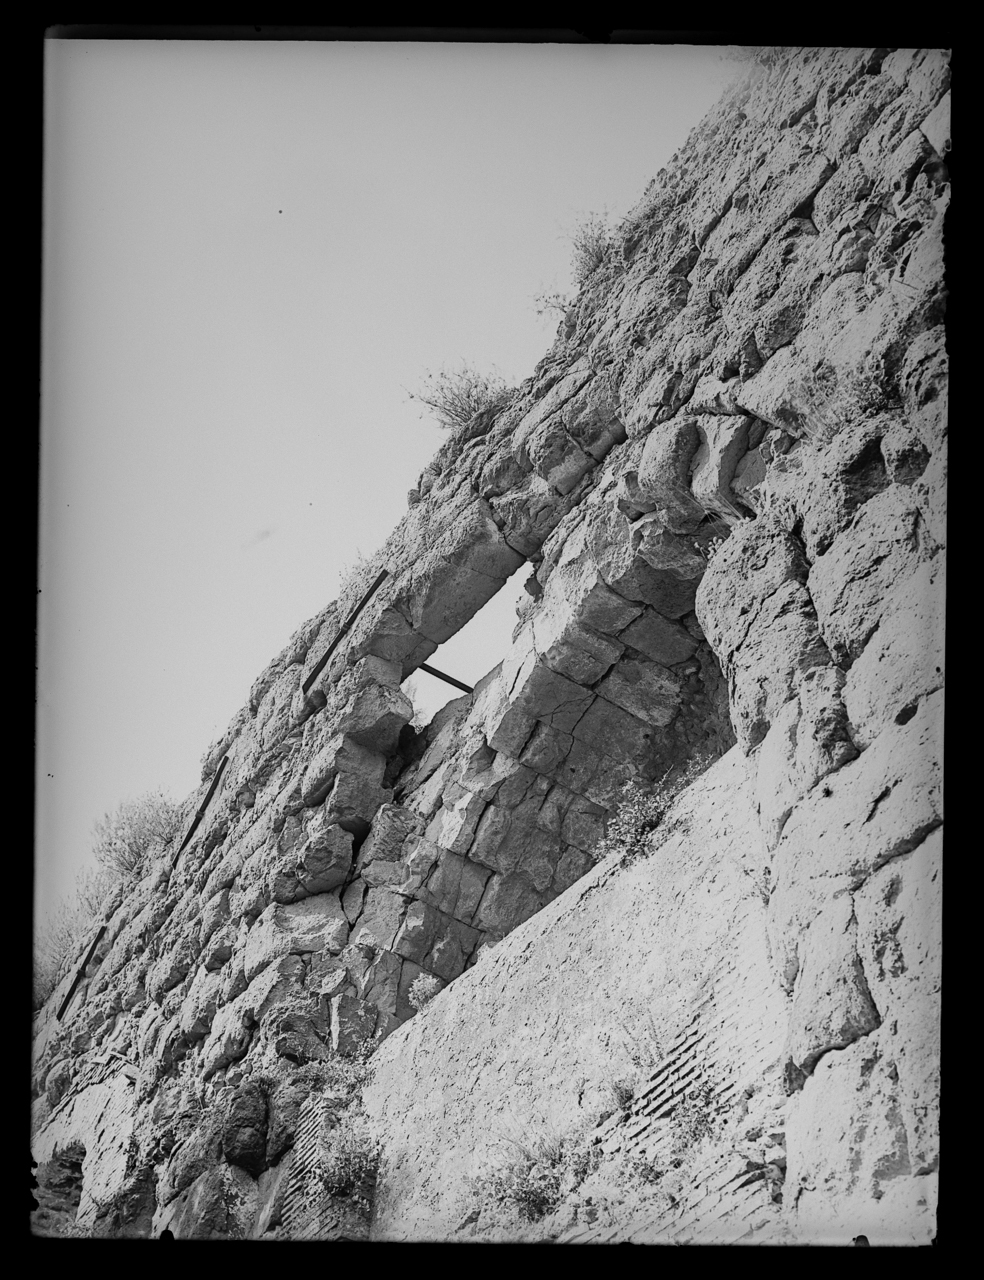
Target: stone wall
x: 726, y: 484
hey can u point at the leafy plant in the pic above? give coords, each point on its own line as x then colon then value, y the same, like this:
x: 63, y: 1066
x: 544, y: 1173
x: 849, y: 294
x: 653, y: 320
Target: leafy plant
x: 455, y: 396
x: 350, y: 1159
x: 423, y: 989
x: 623, y: 1093
x: 545, y: 1173
x: 639, y: 1169
x: 127, y: 838
x: 590, y: 244
x: 693, y: 1119
x: 642, y: 809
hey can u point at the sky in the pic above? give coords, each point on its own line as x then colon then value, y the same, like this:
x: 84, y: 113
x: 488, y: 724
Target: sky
x: 252, y: 254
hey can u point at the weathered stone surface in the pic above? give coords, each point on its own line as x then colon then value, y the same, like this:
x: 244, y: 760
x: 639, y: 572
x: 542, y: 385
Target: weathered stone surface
x: 312, y: 925
x: 647, y: 690
x: 380, y: 919
x: 664, y: 473
x: 899, y: 915
x: 380, y: 857
x: 220, y: 1205
x: 352, y: 1023
x: 340, y: 755
x: 531, y: 693
x: 849, y: 1170
x: 874, y: 809
x: 808, y: 739
x: 244, y: 1130
x: 723, y: 441
x: 658, y: 638
x: 832, y: 1006
x: 849, y: 583
x: 375, y: 716
x: 904, y: 660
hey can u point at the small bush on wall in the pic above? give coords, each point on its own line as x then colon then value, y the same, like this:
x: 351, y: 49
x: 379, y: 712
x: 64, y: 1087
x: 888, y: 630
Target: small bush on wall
x: 455, y: 396
x: 642, y: 809
x: 127, y: 838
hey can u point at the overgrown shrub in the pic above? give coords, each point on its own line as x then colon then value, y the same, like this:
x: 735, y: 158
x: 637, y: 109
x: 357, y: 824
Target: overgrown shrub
x: 127, y: 839
x: 423, y: 989
x: 543, y: 1175
x: 351, y: 1159
x: 455, y: 396
x: 693, y: 1120
x: 642, y: 809
x: 590, y: 244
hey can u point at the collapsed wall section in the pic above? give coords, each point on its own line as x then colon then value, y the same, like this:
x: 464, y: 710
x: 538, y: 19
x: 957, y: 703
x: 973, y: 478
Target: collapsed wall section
x: 727, y: 478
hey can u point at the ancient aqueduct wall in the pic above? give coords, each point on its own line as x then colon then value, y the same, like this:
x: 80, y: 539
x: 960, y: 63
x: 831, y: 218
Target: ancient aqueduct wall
x: 725, y: 487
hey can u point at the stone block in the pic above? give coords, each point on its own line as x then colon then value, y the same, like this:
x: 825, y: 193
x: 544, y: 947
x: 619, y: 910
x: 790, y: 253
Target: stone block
x: 591, y: 417
x: 808, y: 739
x: 851, y: 582
x: 658, y: 638
x: 664, y: 473
x: 243, y: 1130
x: 315, y: 924
x: 508, y: 901
x: 905, y: 659
x: 650, y: 692
x: 571, y: 866
x: 583, y: 826
x: 391, y: 826
x: 324, y: 859
x: 832, y: 1005
x: 382, y: 914
x: 374, y: 716
x: 874, y: 809
x: 536, y: 693
x: 609, y: 730
x: 568, y: 647
x: 451, y: 950
x: 340, y: 754
x: 546, y: 750
x: 455, y: 886
x: 354, y: 800
x: 723, y: 441
x: 393, y: 639
x: 556, y: 457
x: 900, y: 917
x: 453, y: 827
x: 418, y: 932
x: 353, y: 1022
x: 199, y: 1005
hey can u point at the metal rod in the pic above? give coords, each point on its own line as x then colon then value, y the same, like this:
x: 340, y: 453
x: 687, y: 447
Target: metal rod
x: 433, y: 671
x: 323, y: 661
x: 201, y: 809
x: 78, y: 976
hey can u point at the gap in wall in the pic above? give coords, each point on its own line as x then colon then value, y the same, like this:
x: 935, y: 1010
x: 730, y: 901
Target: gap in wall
x: 472, y: 652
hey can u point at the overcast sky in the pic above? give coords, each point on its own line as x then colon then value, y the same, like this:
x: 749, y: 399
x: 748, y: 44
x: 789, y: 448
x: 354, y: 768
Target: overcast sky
x: 251, y: 253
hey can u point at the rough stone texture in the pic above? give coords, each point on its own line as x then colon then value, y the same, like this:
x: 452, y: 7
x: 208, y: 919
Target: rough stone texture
x: 728, y: 476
